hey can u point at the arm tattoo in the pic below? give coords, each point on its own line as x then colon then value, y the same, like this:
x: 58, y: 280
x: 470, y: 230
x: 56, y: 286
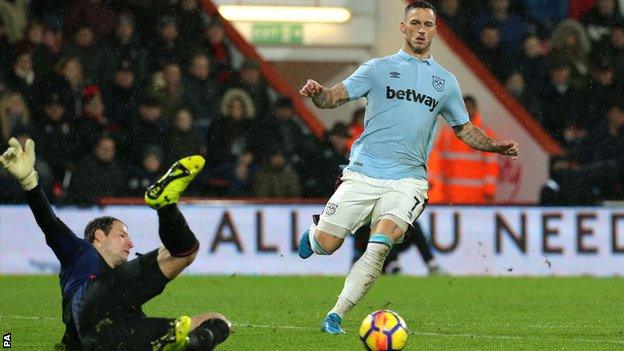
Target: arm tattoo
x: 474, y: 137
x: 331, y: 98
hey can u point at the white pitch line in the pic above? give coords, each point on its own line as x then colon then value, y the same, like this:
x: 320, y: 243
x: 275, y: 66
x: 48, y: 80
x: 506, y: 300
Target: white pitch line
x: 522, y: 325
x: 457, y: 335
x: 28, y: 317
x: 516, y: 337
x: 267, y: 326
x: 430, y: 334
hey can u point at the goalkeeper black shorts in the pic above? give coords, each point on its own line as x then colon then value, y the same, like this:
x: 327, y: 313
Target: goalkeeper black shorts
x: 111, y: 315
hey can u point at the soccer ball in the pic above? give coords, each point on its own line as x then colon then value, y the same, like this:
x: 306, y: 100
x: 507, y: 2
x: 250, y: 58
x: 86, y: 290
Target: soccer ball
x: 383, y: 330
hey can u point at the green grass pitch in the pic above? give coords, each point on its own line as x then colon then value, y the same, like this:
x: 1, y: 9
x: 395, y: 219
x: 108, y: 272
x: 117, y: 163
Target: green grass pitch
x: 284, y: 313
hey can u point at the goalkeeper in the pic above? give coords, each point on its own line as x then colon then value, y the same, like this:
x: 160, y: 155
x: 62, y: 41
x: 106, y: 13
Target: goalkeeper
x: 102, y: 291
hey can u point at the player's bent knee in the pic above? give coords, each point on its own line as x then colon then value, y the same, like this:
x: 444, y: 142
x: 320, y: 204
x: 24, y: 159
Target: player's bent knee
x: 329, y: 243
x: 191, y: 257
x: 172, y: 266
x: 391, y: 226
x: 208, y: 330
x: 200, y: 318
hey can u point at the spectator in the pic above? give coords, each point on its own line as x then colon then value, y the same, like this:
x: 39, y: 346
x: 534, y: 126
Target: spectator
x: 559, y: 100
x: 190, y: 14
x: 92, y: 122
x: 53, y: 131
x: 33, y: 38
x: 276, y: 178
x: 14, y: 14
x: 97, y: 175
x: 601, y: 92
x: 250, y: 80
x: 231, y: 134
x: 356, y: 127
x: 532, y: 62
x: 92, y: 13
x: 574, y: 135
x: 517, y: 87
x: 89, y: 54
x: 234, y: 178
x: 612, y: 48
x: 14, y: 115
x: 606, y: 139
x: 67, y: 81
x: 124, y: 45
x: 122, y: 96
x: 181, y: 139
x: 570, y: 184
x: 605, y: 144
x: 579, y: 8
x: 569, y: 42
x: 600, y: 19
x: 321, y: 168
x: 167, y: 89
x: 5, y: 59
x: 139, y: 178
x: 449, y: 178
x: 511, y: 27
x: 219, y: 51
x: 146, y: 130
x: 454, y: 16
x: 491, y: 53
x: 282, y: 129
x: 47, y: 55
x: 148, y: 14
x: 167, y: 47
x: 201, y: 94
x: 22, y: 76
x: 547, y: 13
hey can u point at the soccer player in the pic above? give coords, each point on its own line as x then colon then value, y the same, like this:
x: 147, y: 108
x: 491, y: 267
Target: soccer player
x: 385, y: 183
x: 102, y: 291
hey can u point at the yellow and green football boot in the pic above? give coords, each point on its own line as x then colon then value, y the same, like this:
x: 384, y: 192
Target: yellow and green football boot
x: 168, y: 189
x: 176, y: 338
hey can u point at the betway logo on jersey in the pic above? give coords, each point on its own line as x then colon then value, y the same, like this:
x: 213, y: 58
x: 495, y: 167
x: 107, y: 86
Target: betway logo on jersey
x: 412, y: 95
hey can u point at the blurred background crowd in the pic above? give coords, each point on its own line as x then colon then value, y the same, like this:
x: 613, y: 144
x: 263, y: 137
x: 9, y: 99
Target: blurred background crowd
x: 113, y: 91
x: 563, y: 60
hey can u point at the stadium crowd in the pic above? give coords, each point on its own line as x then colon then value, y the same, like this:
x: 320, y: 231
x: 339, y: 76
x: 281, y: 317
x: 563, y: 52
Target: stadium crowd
x: 114, y: 90
x: 564, y: 61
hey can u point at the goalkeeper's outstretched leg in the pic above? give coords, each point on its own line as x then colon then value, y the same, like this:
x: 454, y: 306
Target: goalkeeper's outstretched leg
x: 180, y: 245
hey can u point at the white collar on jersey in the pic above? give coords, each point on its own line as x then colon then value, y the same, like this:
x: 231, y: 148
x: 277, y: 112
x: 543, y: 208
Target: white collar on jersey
x: 409, y: 57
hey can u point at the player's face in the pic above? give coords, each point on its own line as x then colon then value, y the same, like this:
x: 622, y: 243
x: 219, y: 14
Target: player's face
x: 117, y: 243
x: 419, y: 27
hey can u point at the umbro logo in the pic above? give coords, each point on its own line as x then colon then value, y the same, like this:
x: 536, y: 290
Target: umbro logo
x: 395, y: 74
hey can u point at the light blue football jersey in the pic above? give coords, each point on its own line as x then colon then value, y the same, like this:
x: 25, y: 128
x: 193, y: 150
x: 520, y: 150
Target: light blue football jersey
x: 404, y: 97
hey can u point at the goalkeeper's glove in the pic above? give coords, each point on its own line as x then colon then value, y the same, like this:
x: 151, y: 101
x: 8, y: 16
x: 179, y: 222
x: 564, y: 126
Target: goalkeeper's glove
x: 21, y: 163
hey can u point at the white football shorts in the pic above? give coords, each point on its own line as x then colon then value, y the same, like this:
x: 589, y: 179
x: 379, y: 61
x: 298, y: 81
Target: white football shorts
x: 361, y: 200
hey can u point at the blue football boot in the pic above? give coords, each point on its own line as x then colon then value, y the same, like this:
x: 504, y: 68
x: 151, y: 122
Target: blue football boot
x: 305, y: 250
x: 331, y: 324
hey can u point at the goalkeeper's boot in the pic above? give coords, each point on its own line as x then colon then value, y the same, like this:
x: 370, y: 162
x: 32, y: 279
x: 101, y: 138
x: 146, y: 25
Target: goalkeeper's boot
x: 168, y: 189
x: 176, y: 338
x: 331, y: 324
x: 209, y: 334
x: 305, y: 249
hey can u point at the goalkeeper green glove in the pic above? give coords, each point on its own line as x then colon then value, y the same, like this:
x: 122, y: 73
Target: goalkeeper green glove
x: 21, y: 163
